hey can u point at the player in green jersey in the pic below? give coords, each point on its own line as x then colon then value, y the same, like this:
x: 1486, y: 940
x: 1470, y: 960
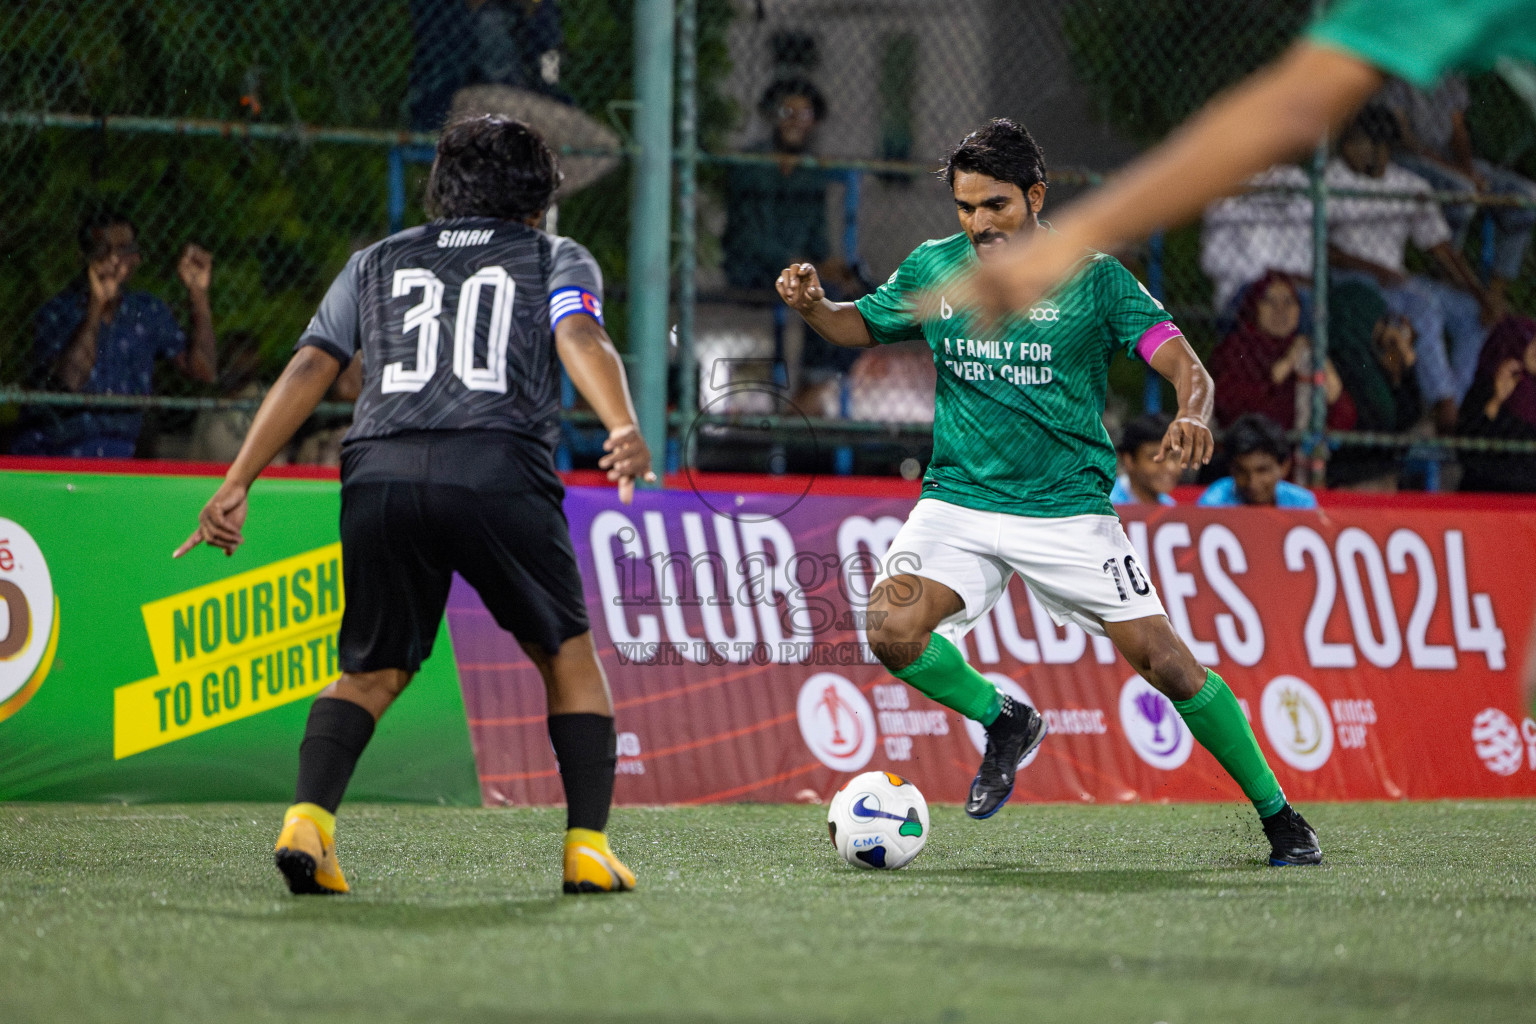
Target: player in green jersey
x: 1021, y: 473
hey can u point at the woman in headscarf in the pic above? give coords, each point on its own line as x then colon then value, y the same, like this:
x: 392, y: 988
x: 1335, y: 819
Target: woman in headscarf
x: 1502, y: 405
x: 1374, y: 354
x: 1265, y: 364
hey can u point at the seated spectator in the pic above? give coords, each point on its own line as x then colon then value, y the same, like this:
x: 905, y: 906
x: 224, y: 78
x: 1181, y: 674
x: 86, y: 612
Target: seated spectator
x: 1437, y: 146
x: 1367, y: 241
x: 1248, y: 235
x: 1144, y: 480
x: 1502, y: 405
x: 1260, y: 460
x: 318, y: 442
x: 891, y: 384
x: 97, y: 337
x: 776, y: 213
x: 1374, y: 353
x: 1265, y: 364
x: 217, y: 434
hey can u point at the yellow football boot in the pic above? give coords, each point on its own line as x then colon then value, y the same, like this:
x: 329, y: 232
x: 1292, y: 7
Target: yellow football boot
x: 591, y: 867
x: 306, y: 851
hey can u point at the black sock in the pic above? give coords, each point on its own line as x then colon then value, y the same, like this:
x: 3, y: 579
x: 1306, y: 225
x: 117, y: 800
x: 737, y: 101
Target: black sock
x: 585, y: 745
x: 334, y: 739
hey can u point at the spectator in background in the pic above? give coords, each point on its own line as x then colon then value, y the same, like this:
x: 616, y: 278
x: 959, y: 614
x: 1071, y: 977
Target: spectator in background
x: 1374, y: 353
x: 318, y: 442
x: 1143, y: 480
x: 1502, y: 405
x: 890, y: 384
x: 98, y: 337
x: 1265, y: 364
x: 1437, y: 146
x: 1245, y: 236
x: 1260, y: 459
x: 776, y: 213
x: 218, y: 433
x: 1367, y: 241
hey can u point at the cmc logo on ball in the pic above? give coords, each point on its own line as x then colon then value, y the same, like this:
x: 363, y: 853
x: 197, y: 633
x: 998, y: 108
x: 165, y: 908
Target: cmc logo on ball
x: 836, y: 722
x: 1297, y: 723
x: 1152, y: 726
x: 29, y: 618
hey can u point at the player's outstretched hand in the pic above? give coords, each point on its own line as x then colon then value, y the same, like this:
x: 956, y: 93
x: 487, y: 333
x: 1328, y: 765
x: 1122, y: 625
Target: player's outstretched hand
x: 628, y: 458
x: 1188, y: 442
x: 800, y: 287
x: 220, y: 522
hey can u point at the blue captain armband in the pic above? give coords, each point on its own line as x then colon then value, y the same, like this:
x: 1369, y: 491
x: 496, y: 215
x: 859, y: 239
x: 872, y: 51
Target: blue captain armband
x: 566, y: 301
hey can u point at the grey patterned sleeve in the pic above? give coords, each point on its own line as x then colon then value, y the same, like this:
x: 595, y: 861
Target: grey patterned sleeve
x: 333, y: 329
x: 575, y: 282
x: 572, y: 266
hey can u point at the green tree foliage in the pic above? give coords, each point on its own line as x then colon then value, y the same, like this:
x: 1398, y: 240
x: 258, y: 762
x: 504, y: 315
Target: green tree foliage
x: 1149, y: 64
x: 281, y: 216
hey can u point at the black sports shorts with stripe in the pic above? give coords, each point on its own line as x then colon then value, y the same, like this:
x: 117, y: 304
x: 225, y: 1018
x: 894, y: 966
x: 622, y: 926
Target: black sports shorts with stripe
x: 416, y: 508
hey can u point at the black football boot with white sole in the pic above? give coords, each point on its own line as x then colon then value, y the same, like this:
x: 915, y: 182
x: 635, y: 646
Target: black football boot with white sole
x: 1013, y: 737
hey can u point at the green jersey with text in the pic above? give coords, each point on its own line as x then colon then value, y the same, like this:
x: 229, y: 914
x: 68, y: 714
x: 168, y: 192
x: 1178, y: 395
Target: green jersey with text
x: 1017, y: 407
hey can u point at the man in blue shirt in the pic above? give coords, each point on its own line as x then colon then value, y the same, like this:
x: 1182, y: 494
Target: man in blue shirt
x: 1144, y: 478
x: 1261, y: 460
x: 97, y: 337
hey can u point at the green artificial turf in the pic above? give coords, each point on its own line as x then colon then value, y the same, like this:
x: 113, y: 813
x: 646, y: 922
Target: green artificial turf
x: 1422, y: 912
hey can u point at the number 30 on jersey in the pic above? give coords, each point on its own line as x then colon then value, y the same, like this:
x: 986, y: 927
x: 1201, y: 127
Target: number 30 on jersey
x: 423, y: 318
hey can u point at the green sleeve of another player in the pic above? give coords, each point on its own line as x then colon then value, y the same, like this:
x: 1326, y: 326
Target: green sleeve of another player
x: 1134, y: 321
x: 1420, y: 40
x: 890, y: 310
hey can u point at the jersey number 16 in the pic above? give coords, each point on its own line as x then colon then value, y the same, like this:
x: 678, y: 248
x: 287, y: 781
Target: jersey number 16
x: 423, y: 318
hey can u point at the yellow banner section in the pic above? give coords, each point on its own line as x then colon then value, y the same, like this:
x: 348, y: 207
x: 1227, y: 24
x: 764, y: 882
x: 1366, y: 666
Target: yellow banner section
x: 247, y: 611
x: 234, y: 648
x: 172, y: 706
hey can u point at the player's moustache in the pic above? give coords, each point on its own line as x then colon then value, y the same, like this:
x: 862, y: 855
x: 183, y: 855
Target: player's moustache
x: 989, y: 236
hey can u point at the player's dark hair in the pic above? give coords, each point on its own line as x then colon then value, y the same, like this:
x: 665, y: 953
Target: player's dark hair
x: 1148, y: 429
x: 1377, y: 123
x: 1001, y: 149
x: 100, y: 221
x: 1255, y: 432
x: 784, y: 88
x: 491, y: 166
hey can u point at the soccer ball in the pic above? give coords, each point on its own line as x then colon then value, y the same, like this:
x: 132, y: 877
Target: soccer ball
x: 878, y: 820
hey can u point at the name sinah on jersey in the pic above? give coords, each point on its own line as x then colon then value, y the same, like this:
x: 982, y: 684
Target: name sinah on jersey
x: 455, y: 239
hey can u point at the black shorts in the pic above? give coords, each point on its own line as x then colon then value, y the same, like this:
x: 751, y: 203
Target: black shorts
x: 418, y: 508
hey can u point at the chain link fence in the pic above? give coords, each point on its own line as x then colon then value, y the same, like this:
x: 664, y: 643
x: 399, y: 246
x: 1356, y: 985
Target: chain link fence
x: 281, y: 136
x: 877, y: 93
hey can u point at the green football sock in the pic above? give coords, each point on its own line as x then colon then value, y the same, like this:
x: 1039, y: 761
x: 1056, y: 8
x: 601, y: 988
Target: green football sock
x: 941, y: 673
x: 1215, y: 719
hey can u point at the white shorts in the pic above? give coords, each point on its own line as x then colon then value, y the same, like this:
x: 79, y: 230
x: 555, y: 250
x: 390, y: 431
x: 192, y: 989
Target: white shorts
x: 1081, y: 568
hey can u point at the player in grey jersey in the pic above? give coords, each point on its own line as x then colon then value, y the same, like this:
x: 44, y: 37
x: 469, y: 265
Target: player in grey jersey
x: 449, y: 467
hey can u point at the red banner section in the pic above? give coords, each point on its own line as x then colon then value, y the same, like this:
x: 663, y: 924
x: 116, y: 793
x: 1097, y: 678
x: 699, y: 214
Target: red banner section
x: 1377, y: 653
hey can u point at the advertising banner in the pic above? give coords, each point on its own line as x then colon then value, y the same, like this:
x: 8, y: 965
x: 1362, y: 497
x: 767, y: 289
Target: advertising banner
x: 125, y: 675
x: 1376, y: 652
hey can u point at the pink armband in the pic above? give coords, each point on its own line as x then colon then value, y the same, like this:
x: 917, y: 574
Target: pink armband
x: 1148, y: 344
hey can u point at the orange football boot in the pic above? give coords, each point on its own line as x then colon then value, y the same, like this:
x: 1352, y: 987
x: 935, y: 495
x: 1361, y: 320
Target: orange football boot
x: 590, y: 865
x: 306, y: 852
